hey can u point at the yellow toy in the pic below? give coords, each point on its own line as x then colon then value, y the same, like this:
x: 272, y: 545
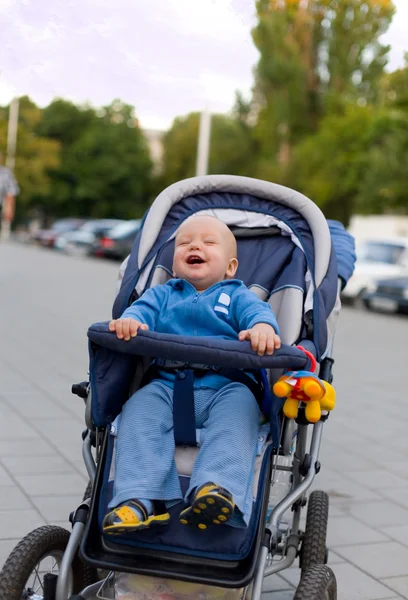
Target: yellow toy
x: 304, y: 386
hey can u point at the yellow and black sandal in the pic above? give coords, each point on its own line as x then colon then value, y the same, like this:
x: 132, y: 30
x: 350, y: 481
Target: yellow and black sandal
x: 125, y: 518
x: 212, y: 505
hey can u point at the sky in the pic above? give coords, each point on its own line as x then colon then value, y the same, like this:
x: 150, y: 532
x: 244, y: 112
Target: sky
x: 165, y: 57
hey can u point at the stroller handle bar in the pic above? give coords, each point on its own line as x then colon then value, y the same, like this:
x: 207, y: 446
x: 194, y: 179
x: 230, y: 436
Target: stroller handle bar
x: 204, y: 350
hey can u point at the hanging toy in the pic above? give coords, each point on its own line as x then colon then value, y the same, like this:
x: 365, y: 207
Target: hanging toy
x: 305, y: 386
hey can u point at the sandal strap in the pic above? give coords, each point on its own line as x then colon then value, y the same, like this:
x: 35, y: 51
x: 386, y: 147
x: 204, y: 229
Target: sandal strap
x: 134, y: 503
x: 159, y: 507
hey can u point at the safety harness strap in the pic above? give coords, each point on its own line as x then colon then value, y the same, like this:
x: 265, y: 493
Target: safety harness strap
x: 183, y: 393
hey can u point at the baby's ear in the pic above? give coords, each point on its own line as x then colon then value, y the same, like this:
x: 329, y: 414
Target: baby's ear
x: 232, y: 268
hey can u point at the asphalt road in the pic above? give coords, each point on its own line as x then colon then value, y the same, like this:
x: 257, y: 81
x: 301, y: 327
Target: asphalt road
x: 48, y: 300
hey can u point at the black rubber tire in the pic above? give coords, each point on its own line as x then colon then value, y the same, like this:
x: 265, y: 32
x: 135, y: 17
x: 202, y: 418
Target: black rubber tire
x: 28, y: 553
x: 313, y: 550
x: 318, y: 583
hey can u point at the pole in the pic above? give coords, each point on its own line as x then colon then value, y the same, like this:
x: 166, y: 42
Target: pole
x: 10, y: 160
x: 203, y: 145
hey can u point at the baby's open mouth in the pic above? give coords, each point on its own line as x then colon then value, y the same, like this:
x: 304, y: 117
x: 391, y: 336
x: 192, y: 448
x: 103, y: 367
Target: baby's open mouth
x: 194, y: 260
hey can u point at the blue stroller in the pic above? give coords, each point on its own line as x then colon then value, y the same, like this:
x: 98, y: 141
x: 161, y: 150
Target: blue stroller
x: 289, y: 256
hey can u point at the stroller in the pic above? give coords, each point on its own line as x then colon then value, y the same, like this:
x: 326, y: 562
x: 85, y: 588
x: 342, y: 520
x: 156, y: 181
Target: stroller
x: 290, y: 256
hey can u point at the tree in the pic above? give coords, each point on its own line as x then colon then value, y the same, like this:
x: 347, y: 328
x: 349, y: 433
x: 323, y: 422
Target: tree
x: 356, y: 163
x: 105, y: 169
x: 384, y: 181
x: 113, y: 166
x: 35, y: 157
x: 394, y: 88
x: 317, y: 56
x: 329, y: 165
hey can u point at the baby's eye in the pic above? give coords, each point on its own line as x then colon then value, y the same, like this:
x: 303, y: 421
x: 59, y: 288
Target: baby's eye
x: 183, y: 243
x: 210, y: 242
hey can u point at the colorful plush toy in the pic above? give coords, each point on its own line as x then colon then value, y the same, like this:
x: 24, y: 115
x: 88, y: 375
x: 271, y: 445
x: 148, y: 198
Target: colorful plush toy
x: 304, y: 386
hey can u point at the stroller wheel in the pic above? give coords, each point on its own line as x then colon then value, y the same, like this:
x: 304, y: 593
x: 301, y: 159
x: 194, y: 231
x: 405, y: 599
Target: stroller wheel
x: 313, y: 550
x: 318, y: 583
x: 38, y: 554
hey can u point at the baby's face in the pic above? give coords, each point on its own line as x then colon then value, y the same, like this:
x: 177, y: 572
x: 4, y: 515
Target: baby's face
x: 204, y: 252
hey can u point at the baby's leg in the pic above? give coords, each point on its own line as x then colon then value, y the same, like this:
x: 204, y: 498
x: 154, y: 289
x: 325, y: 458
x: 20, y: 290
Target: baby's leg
x: 228, y: 452
x: 144, y: 463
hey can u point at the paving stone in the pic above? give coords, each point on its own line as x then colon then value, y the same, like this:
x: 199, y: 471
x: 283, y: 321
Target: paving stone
x: 353, y: 584
x: 5, y: 478
x: 56, y: 508
x: 350, y: 491
x: 31, y: 465
x: 343, y: 531
x: 292, y: 576
x: 381, y: 560
x: 399, y: 496
x: 378, y: 479
x: 59, y: 432
x: 35, y: 405
x: 275, y: 583
x: 399, y: 584
x: 15, y: 428
x: 398, y: 533
x: 25, y: 447
x: 12, y: 498
x: 286, y: 595
x: 380, y: 514
x: 51, y: 485
x: 15, y: 529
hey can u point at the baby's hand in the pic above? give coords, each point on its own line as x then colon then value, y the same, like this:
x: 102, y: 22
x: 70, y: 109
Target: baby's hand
x: 263, y: 338
x: 126, y: 328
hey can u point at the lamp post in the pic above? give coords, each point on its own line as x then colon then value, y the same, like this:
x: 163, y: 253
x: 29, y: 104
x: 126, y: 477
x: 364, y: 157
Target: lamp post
x: 203, y: 145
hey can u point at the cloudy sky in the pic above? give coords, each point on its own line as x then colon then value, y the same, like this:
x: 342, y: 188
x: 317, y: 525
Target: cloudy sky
x: 165, y: 57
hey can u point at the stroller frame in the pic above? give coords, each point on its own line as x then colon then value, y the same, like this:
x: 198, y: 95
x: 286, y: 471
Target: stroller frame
x: 274, y: 542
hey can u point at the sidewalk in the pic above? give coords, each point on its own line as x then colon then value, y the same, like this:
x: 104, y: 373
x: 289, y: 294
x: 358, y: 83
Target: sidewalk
x: 47, y: 302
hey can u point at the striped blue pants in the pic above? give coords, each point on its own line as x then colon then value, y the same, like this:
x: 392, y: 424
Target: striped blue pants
x: 144, y: 460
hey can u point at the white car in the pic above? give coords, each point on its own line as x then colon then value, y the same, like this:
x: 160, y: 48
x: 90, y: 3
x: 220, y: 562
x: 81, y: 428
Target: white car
x: 377, y: 259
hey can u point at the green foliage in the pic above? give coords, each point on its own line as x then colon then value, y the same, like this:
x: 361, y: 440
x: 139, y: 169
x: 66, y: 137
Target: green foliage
x: 74, y: 161
x: 111, y: 165
x: 316, y: 58
x: 328, y: 166
x: 35, y: 156
x: 384, y: 182
x: 356, y: 163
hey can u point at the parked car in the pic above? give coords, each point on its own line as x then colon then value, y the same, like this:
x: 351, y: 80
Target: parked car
x: 81, y: 240
x: 377, y: 259
x: 47, y: 237
x: 118, y: 243
x: 388, y: 295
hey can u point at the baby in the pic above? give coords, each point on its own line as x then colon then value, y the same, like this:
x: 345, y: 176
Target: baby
x: 203, y: 299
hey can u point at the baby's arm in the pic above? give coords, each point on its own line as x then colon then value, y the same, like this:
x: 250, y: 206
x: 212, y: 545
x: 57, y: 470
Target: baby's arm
x: 141, y: 315
x: 257, y: 323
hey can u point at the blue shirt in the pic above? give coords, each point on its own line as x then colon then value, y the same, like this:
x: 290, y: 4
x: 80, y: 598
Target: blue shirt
x: 222, y: 310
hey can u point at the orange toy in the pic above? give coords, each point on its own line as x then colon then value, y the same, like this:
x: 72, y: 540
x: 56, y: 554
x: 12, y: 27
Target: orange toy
x: 304, y: 386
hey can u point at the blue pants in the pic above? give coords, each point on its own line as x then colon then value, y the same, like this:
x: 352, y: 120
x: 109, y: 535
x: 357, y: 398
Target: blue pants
x: 144, y: 461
